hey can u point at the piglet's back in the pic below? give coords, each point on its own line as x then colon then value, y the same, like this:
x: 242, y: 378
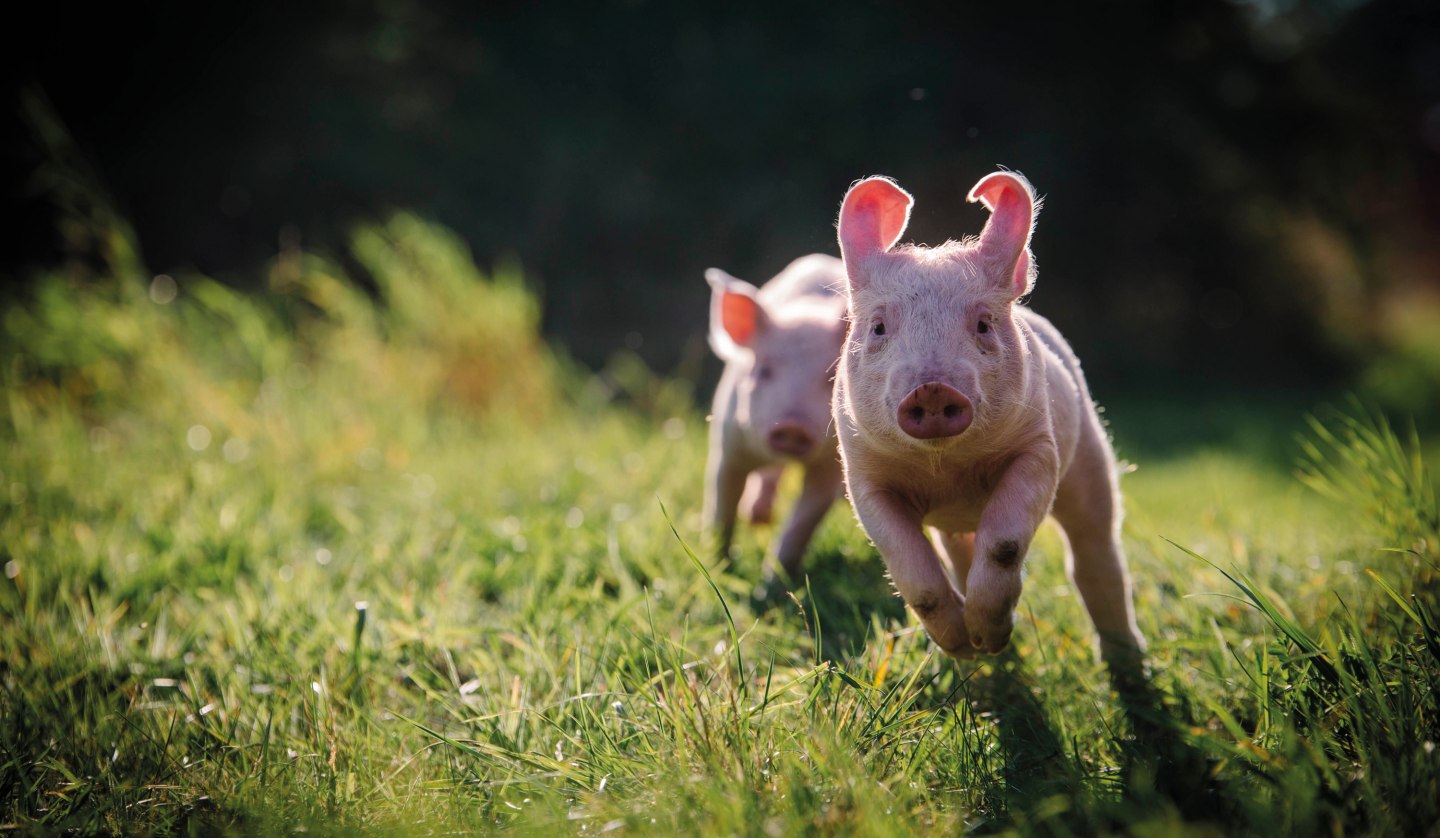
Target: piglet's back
x: 815, y: 279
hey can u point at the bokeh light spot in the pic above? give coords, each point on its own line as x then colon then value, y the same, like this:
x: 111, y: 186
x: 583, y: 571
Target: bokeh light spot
x: 198, y: 437
x: 163, y: 289
x: 235, y: 449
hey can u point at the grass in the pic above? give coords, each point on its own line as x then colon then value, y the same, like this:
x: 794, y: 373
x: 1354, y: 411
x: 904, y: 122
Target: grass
x: 316, y: 558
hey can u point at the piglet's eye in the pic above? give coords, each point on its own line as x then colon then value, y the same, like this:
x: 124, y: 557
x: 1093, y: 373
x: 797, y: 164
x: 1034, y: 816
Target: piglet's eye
x: 983, y: 326
x: 878, y: 330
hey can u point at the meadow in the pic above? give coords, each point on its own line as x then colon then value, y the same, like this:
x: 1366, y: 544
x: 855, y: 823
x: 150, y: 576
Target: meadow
x: 345, y: 556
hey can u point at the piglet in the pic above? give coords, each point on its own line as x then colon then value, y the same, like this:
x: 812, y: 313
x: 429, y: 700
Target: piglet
x: 779, y: 344
x: 960, y: 410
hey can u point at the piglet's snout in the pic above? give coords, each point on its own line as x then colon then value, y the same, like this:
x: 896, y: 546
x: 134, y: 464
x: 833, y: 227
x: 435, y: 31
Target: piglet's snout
x: 935, y: 411
x: 790, y: 438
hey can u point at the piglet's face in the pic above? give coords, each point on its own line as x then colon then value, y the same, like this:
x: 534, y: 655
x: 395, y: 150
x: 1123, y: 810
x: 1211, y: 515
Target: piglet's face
x: 934, y: 357
x: 784, y: 361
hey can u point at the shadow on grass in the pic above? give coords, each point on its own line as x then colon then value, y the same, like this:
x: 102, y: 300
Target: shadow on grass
x: 843, y: 594
x: 1041, y: 784
x: 1162, y: 767
x: 1045, y: 787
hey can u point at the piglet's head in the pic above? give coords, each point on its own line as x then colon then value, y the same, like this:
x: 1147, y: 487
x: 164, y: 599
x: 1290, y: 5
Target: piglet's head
x: 782, y: 358
x: 934, y: 355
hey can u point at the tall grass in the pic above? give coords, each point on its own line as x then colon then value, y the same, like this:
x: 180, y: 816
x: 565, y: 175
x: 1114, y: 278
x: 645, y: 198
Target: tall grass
x: 342, y: 559
x: 1358, y: 459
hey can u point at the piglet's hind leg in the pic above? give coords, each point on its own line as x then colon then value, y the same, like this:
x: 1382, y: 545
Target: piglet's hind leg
x: 758, y: 501
x: 1087, y: 507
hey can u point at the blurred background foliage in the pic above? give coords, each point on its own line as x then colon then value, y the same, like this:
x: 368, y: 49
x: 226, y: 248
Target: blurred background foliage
x: 1236, y: 192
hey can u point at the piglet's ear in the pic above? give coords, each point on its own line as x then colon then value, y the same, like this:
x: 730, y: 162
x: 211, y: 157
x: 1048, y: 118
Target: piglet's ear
x: 1005, y: 241
x: 736, y: 315
x: 872, y: 217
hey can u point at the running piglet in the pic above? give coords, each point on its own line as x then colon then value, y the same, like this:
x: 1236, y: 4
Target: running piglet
x: 772, y: 406
x: 961, y: 411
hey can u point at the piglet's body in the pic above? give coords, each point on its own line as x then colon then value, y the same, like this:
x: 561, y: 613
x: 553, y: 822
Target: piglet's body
x: 780, y: 344
x: 961, y: 411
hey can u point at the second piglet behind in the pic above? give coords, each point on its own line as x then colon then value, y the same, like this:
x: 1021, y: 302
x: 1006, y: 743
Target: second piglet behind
x: 780, y: 344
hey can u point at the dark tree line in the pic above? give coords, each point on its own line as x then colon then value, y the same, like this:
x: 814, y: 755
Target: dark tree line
x: 1231, y: 188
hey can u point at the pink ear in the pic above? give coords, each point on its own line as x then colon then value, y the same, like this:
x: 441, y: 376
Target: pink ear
x: 872, y: 217
x: 1005, y: 241
x: 736, y: 315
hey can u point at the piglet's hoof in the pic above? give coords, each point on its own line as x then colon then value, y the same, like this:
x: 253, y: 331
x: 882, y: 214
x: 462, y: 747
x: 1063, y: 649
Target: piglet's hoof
x: 963, y: 652
x: 944, y: 621
x: 990, y: 636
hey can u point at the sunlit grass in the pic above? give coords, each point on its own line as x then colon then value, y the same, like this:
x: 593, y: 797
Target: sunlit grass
x: 308, y: 557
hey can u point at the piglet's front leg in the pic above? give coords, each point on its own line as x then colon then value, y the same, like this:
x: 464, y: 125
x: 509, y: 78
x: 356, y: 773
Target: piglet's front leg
x: 914, y: 566
x: 1015, y: 510
x: 725, y: 481
x: 817, y: 495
